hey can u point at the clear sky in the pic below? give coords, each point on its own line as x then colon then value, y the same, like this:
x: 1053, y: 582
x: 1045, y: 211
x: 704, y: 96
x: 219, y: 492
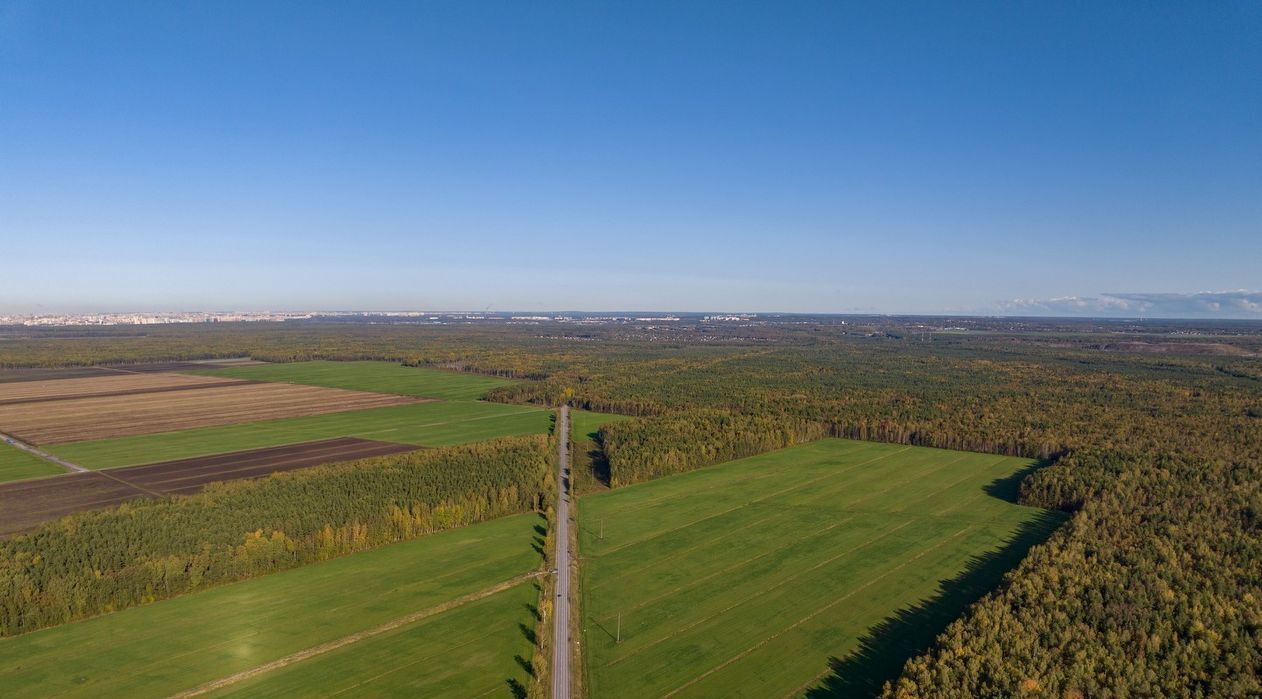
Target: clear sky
x: 1077, y: 157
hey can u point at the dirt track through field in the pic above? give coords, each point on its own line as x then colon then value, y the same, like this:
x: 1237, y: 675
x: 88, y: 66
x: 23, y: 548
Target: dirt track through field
x: 355, y: 637
x: 26, y: 504
x: 79, y: 419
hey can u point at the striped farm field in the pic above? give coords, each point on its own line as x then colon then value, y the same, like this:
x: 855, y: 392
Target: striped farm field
x: 76, y: 419
x: 744, y: 579
x: 431, y: 424
x: 105, y: 384
x: 439, y: 616
x: 380, y: 377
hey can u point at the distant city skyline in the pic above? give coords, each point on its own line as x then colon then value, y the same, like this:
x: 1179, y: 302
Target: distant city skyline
x: 977, y: 158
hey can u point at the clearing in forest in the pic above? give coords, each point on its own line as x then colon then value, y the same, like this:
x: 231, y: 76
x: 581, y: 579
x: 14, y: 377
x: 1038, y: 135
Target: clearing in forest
x: 465, y: 648
x: 744, y: 579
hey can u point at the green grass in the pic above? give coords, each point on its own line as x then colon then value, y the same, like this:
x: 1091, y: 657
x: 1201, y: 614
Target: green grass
x: 427, y: 424
x: 466, y: 652
x: 16, y: 465
x: 584, y: 424
x: 379, y: 377
x: 162, y: 648
x: 744, y: 579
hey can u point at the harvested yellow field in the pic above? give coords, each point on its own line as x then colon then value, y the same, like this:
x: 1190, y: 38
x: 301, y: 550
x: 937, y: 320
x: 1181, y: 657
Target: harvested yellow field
x: 78, y: 419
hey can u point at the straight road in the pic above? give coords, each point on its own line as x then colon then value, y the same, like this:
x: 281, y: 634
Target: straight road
x: 561, y: 611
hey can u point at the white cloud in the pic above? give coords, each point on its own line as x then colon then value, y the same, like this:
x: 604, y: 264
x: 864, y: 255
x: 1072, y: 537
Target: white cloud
x: 1205, y: 304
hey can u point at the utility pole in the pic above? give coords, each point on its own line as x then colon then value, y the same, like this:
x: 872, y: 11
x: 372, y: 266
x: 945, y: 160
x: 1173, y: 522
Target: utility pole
x: 602, y: 528
x: 619, y: 638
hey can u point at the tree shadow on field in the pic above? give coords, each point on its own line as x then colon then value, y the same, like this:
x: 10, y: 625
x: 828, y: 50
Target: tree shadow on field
x: 517, y: 689
x: 598, y: 461
x: 528, y: 632
x: 526, y: 665
x: 1009, y: 488
x: 910, y: 631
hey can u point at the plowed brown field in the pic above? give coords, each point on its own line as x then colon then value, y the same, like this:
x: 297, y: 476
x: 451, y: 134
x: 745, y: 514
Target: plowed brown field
x: 25, y: 504
x: 77, y: 419
x: 106, y: 385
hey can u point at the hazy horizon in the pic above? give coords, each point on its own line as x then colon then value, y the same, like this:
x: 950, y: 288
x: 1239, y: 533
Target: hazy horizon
x: 1209, y: 306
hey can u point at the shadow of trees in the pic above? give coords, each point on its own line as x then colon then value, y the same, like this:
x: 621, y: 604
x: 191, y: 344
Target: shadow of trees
x: 886, y: 647
x: 598, y: 461
x: 1009, y: 488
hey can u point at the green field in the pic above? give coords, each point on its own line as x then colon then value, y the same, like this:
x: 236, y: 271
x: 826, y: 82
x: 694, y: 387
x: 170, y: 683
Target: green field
x: 16, y: 465
x: 428, y: 424
x: 378, y: 377
x: 584, y: 423
x: 166, y: 647
x: 745, y: 578
x: 470, y: 651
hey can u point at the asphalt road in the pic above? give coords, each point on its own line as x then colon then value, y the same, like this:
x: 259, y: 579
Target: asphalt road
x: 561, y: 614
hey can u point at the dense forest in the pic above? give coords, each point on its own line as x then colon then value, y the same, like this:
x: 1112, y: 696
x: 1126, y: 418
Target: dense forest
x: 105, y: 560
x: 1153, y: 433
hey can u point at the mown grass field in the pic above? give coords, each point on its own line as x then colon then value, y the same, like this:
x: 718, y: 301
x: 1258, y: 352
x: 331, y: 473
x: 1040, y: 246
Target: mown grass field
x: 16, y: 465
x: 381, y: 377
x: 744, y: 579
x: 584, y: 424
x: 438, y: 423
x: 470, y: 651
x: 167, y: 647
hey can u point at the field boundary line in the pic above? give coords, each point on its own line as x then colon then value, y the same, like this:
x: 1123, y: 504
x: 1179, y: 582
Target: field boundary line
x: 814, y: 614
x: 356, y: 637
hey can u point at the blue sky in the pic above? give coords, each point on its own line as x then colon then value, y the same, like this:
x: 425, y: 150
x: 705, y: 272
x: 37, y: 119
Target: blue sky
x: 782, y: 156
